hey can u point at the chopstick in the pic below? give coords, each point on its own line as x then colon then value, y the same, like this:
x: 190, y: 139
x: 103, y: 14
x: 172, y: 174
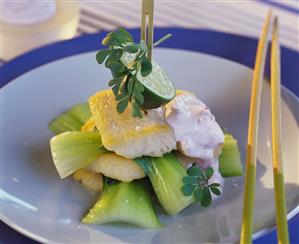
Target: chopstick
x: 280, y: 203
x: 250, y: 177
x: 147, y: 28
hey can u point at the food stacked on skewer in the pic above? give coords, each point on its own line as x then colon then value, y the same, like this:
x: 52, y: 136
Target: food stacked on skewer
x: 140, y: 140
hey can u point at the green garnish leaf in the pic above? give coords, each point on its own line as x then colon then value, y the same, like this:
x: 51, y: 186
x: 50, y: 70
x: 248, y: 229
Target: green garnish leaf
x: 122, y: 87
x: 131, y: 84
x: 146, y: 66
x: 132, y: 48
x: 197, y: 183
x: 216, y: 191
x: 114, y: 81
x: 138, y: 96
x: 207, y: 198
x: 126, y: 34
x: 120, y: 97
x: 188, y: 189
x: 122, y: 104
x: 115, y: 89
x: 194, y: 171
x: 114, y: 57
x: 119, y: 42
x: 209, y: 172
x: 110, y: 41
x: 214, y: 185
x: 118, y: 69
x: 102, y: 55
x: 139, y: 86
x: 198, y: 194
x: 136, y: 112
x: 190, y: 180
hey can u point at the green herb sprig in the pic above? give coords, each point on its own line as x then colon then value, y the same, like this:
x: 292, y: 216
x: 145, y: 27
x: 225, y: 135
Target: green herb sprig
x: 125, y: 85
x: 197, y: 183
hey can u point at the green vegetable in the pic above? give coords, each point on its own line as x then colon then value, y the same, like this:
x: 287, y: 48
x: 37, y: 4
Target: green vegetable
x: 197, y: 184
x: 166, y: 174
x: 126, y: 85
x: 74, y: 150
x: 71, y: 120
x: 230, y: 163
x: 124, y: 202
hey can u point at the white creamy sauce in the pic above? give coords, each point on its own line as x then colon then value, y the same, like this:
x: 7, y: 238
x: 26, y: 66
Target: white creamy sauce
x: 197, y: 133
x: 27, y: 12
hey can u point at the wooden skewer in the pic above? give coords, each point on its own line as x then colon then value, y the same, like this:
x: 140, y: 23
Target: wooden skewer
x: 250, y: 177
x: 147, y: 25
x: 280, y: 203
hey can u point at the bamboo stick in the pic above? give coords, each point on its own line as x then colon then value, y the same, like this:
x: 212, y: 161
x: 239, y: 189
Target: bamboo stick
x: 280, y: 203
x: 250, y: 177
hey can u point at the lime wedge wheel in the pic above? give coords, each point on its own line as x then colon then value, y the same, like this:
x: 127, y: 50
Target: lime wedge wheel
x: 159, y: 89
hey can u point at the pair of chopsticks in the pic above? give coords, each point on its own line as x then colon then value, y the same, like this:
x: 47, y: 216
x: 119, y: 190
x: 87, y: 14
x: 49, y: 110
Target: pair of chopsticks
x: 250, y: 178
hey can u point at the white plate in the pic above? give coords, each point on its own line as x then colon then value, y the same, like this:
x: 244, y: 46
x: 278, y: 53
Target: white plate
x: 40, y: 205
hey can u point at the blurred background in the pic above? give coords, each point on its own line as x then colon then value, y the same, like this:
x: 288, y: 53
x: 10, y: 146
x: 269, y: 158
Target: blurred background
x: 27, y: 24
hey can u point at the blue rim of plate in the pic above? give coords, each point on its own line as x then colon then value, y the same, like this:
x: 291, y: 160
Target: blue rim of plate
x: 237, y: 48
x: 233, y: 47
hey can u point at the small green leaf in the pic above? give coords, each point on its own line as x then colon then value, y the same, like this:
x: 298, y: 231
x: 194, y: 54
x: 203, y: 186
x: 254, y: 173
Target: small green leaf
x: 122, y: 104
x: 118, y: 70
x: 209, y: 172
x: 140, y: 56
x: 110, y: 41
x: 214, y: 185
x: 125, y: 33
x: 138, y: 96
x: 115, y: 89
x: 123, y: 85
x: 146, y: 66
x: 102, y: 55
x: 114, y: 81
x: 187, y: 189
x: 207, y: 199
x: 190, y: 180
x: 198, y: 194
x: 121, y: 96
x: 118, y: 36
x: 139, y: 86
x: 216, y: 191
x: 131, y: 84
x: 136, y: 111
x: 114, y: 57
x: 117, y: 53
x: 194, y: 171
x: 132, y: 48
x: 109, y: 61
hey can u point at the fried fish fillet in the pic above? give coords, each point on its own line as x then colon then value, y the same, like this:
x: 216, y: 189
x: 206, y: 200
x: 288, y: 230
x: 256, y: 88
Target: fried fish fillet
x: 128, y: 136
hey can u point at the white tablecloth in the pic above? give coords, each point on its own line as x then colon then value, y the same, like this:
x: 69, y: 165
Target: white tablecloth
x: 244, y: 17
x: 234, y: 16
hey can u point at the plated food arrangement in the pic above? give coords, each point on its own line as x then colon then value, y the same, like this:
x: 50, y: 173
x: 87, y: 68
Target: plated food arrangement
x: 142, y: 140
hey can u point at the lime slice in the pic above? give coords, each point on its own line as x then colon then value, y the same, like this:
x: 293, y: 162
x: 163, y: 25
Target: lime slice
x: 159, y: 89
